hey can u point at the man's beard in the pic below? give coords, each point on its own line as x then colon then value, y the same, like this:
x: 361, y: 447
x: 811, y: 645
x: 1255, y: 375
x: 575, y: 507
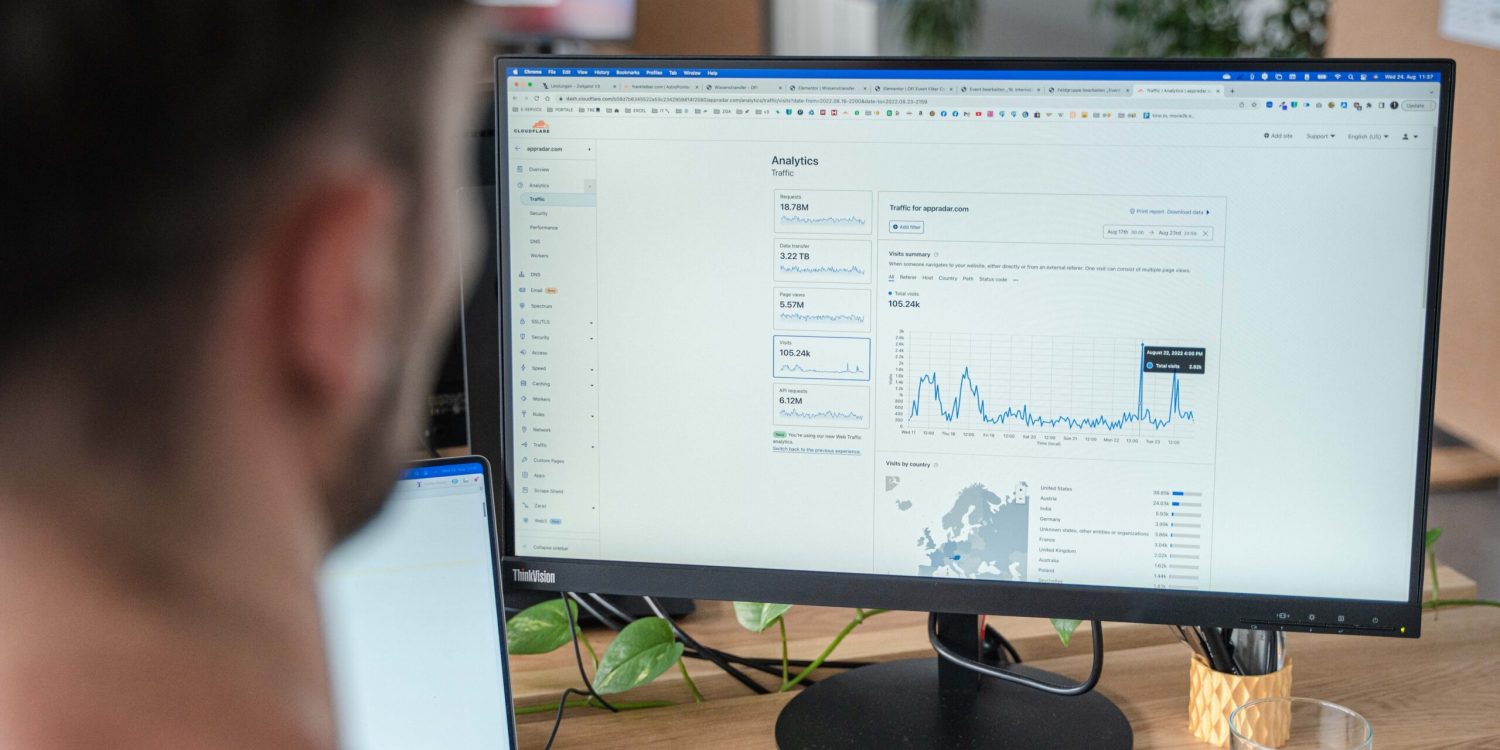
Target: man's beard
x: 357, y: 494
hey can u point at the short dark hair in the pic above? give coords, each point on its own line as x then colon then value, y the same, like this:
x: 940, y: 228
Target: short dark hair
x: 138, y: 137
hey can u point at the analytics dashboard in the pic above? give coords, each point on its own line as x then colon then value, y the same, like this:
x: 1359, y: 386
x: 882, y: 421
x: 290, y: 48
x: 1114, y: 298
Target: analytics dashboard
x: 1156, y: 329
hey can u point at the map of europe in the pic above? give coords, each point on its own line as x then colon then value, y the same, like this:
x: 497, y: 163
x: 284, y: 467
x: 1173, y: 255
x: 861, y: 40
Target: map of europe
x: 984, y: 535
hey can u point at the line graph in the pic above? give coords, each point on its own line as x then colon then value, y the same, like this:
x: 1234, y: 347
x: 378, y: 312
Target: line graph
x: 809, y: 405
x: 816, y: 271
x: 821, y: 309
x: 822, y: 211
x: 822, y: 221
x: 797, y: 369
x: 820, y: 358
x: 1046, y: 383
x: 831, y: 318
x: 822, y: 259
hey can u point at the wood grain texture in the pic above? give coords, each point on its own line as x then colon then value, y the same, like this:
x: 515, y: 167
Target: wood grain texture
x: 537, y: 680
x: 1439, y: 691
x: 1468, y: 394
x: 1462, y: 467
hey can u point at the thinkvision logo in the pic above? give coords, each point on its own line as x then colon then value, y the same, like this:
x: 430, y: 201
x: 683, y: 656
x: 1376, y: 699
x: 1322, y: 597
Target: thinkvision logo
x: 533, y: 576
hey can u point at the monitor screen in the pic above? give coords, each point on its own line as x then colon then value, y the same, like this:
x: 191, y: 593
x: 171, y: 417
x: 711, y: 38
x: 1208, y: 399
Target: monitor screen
x: 1164, y: 328
x: 411, y: 617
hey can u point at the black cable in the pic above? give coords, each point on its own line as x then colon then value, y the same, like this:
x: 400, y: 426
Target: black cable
x: 596, y: 614
x: 1007, y: 675
x: 578, y: 657
x: 588, y: 692
x: 771, y: 667
x: 732, y: 657
x: 1000, y: 638
x: 708, y: 653
x: 562, y: 704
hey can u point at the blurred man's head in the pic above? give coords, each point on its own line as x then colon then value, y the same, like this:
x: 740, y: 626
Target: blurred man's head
x: 282, y: 171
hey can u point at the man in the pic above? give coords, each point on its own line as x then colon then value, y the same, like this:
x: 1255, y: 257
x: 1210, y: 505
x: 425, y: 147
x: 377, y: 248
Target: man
x: 230, y: 234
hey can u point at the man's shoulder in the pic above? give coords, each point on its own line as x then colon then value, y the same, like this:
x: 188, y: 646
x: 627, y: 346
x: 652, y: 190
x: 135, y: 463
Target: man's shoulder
x: 101, y: 687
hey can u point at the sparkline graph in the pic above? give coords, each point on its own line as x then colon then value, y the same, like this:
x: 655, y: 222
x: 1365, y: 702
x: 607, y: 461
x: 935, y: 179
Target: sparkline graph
x: 822, y: 221
x: 797, y: 369
x: 815, y: 271
x: 816, y: 405
x: 834, y: 318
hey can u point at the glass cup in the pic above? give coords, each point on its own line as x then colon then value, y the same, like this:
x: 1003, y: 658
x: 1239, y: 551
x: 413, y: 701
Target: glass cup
x: 1298, y: 724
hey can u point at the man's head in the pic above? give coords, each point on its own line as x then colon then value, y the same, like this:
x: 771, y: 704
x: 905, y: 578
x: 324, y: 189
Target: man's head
x: 285, y: 172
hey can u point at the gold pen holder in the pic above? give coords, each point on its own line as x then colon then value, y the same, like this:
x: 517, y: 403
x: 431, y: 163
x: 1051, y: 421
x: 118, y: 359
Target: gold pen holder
x: 1213, y: 695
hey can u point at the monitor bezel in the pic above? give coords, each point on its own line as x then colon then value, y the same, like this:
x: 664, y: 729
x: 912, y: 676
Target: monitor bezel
x: 490, y: 418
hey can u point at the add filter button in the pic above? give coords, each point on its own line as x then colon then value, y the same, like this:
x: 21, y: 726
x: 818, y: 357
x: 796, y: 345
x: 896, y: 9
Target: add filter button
x: 906, y: 227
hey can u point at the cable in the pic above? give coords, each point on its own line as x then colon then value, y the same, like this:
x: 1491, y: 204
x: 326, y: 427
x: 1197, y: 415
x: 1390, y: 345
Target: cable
x: 708, y: 653
x: 1002, y: 642
x: 596, y: 614
x: 562, y: 704
x: 1007, y: 675
x: 578, y: 657
x: 588, y: 691
x: 768, y: 665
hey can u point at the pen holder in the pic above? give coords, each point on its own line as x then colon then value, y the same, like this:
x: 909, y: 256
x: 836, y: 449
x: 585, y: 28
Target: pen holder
x: 1212, y: 695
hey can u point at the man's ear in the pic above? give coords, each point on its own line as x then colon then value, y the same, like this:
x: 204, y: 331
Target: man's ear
x: 334, y: 274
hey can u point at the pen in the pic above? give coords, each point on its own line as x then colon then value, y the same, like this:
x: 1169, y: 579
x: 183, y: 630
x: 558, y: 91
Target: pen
x: 1218, y: 650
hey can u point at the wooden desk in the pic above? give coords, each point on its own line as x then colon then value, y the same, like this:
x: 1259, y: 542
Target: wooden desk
x: 1439, y: 691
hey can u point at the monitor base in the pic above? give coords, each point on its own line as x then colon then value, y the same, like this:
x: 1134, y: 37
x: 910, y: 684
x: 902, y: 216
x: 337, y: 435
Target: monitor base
x: 899, y: 704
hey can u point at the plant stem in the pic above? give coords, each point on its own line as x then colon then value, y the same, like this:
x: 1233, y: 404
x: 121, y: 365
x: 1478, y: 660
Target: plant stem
x: 785, y: 663
x: 593, y: 655
x: 860, y: 615
x: 1437, y: 603
x: 697, y: 696
x: 1432, y: 567
x: 623, y: 706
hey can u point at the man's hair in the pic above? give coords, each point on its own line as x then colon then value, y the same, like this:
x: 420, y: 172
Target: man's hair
x: 141, y: 138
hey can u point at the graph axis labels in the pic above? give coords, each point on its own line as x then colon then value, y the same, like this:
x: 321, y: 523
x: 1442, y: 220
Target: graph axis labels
x: 820, y: 358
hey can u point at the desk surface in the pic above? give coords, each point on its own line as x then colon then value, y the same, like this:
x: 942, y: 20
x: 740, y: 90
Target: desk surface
x: 1438, y: 691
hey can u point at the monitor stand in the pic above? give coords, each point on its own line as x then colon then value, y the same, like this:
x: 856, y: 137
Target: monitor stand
x: 934, y: 703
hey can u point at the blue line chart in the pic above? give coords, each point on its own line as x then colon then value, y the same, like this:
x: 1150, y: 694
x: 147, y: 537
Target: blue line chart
x: 823, y: 221
x: 1023, y: 415
x: 797, y: 317
x: 850, y: 270
x: 831, y: 414
x: 847, y: 369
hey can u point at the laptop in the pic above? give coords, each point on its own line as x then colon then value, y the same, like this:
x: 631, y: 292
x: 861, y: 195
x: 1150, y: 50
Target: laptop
x: 413, y: 618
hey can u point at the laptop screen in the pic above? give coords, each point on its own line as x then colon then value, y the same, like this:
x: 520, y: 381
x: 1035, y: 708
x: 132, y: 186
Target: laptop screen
x: 411, y: 618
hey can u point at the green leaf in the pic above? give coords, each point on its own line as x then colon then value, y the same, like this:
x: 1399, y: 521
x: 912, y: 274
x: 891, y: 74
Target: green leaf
x: 756, y: 617
x: 1433, y: 534
x: 638, y: 655
x: 539, y: 628
x: 1065, y: 629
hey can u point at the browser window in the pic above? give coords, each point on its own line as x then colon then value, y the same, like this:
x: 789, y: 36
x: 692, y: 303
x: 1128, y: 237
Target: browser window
x: 1115, y: 328
x: 412, y: 621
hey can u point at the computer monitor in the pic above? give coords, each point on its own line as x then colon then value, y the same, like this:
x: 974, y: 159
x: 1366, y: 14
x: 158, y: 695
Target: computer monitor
x: 411, y: 609
x: 1133, y: 340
